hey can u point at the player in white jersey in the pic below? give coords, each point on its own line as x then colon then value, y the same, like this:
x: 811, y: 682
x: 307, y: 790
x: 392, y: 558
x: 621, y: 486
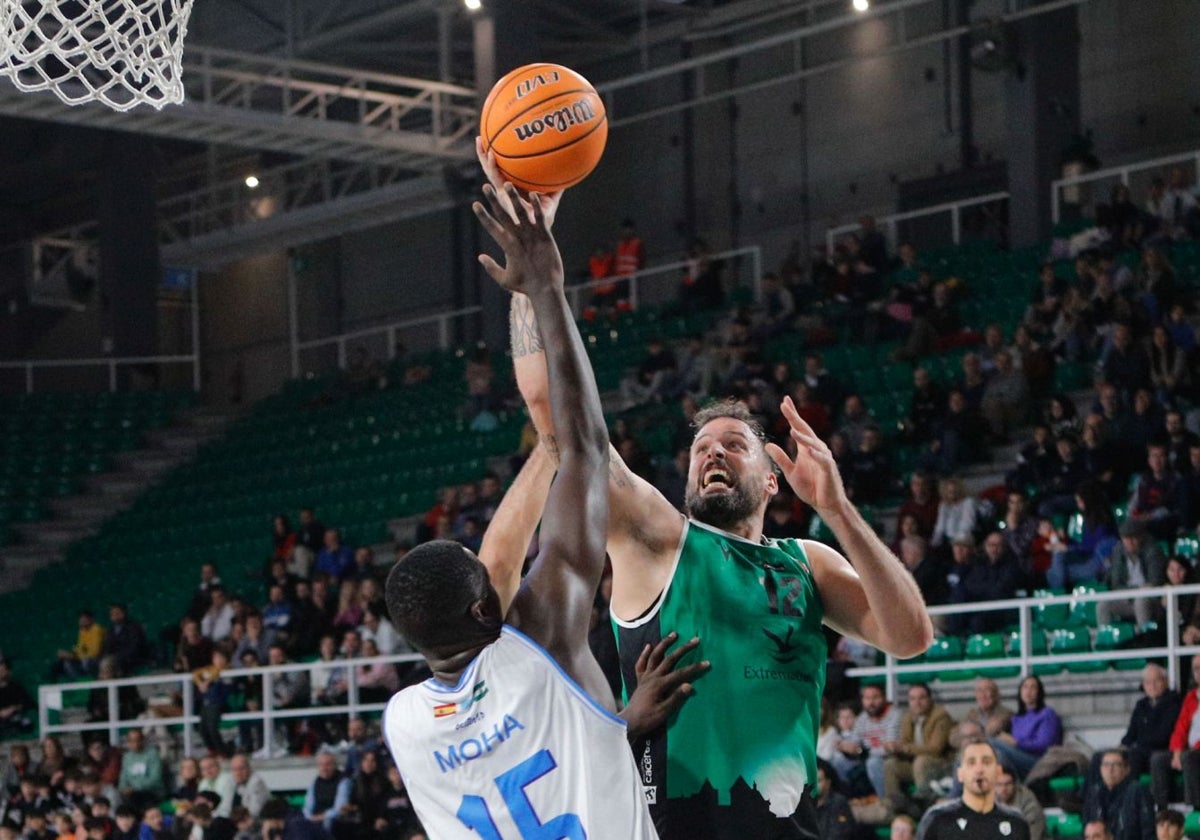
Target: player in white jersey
x: 515, y: 737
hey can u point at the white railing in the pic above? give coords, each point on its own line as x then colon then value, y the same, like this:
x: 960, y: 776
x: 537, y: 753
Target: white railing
x: 655, y: 284
x: 443, y: 321
x: 1118, y: 173
x: 892, y: 668
x: 890, y: 223
x: 181, y: 685
x: 113, y: 364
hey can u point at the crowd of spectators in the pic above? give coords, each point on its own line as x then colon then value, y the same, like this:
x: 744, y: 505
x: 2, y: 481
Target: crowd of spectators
x: 129, y: 792
x: 1129, y: 453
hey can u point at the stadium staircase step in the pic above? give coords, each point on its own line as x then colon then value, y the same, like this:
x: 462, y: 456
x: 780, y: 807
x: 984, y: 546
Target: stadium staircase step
x: 74, y: 517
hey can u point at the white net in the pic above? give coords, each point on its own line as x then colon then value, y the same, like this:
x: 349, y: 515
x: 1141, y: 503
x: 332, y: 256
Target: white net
x: 119, y: 52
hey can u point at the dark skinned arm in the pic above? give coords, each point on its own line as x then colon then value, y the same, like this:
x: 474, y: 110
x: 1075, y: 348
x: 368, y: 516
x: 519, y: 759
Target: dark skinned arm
x: 554, y: 603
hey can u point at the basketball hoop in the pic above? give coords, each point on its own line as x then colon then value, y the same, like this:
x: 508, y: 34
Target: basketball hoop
x: 119, y: 52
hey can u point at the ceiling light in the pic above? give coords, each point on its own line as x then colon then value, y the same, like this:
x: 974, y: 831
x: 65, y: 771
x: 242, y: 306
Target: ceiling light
x: 473, y: 5
x: 252, y: 181
x: 862, y: 5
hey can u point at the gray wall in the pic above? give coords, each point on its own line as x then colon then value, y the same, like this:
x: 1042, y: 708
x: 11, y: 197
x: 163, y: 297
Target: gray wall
x: 866, y: 126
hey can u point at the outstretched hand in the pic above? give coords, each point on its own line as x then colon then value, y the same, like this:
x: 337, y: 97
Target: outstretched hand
x: 531, y: 259
x: 548, y: 201
x: 812, y: 474
x: 661, y: 688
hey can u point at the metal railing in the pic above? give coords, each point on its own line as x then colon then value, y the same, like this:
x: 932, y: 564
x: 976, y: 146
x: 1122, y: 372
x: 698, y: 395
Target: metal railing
x: 1115, y: 173
x: 181, y: 685
x: 113, y: 364
x: 1026, y: 659
x: 890, y: 223
x: 656, y: 284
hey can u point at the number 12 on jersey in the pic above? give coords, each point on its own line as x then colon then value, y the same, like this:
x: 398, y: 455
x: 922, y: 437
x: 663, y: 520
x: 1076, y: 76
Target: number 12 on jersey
x: 474, y: 813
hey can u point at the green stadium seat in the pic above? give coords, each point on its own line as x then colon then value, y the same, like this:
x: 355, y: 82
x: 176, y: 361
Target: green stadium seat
x: 985, y: 646
x: 1113, y: 637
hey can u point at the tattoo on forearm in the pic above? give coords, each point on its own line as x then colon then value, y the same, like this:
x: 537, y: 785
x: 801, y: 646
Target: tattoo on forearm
x: 551, y: 444
x: 523, y: 331
x: 617, y: 471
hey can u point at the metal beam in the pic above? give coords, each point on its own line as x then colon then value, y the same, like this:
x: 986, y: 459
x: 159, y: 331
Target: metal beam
x: 365, y: 25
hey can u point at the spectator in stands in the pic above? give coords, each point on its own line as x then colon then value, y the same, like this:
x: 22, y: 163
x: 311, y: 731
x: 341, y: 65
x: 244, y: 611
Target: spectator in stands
x: 876, y: 725
x: 277, y: 614
x: 54, y: 763
x: 993, y: 577
x: 1184, y: 750
x: 379, y: 630
x: 84, y: 658
x: 1179, y: 440
x: 1084, y: 558
x: 1168, y: 824
x: 479, y: 375
x: 201, y: 598
x: 1005, y: 400
x: 815, y: 413
x: 694, y: 370
x: 250, y: 790
x: 1125, y: 366
x: 926, y: 408
x: 821, y: 383
x: 284, y: 539
x: 141, y: 779
x: 125, y: 639
x: 1019, y: 529
x: 932, y: 325
x: 258, y: 639
x: 1157, y: 500
x: 187, y: 781
x: 217, y: 623
x: 1136, y: 561
x: 194, y: 650
x: 1035, y: 728
x: 1169, y: 371
x: 19, y: 767
x: 16, y: 704
x: 927, y: 569
x: 1036, y: 461
x: 1100, y: 456
x: 922, y: 752
x: 328, y: 793
x: 1061, y: 416
x: 129, y: 702
x: 1066, y: 477
x: 960, y: 436
x: 362, y: 817
x: 1010, y: 792
x: 214, y: 691
x: 359, y: 741
x: 973, y: 382
x: 956, y: 514
x: 869, y: 478
x: 1145, y: 421
x: 310, y: 538
x: 350, y: 611
x: 656, y: 371
x: 1150, y: 724
x: 835, y: 821
x: 1121, y: 803
x: 903, y: 827
x: 215, y: 779
x: 335, y: 559
x: 378, y: 681
x: 310, y: 622
x: 1034, y: 360
x: 1045, y: 301
x: 778, y: 308
x: 921, y: 504
x: 278, y: 575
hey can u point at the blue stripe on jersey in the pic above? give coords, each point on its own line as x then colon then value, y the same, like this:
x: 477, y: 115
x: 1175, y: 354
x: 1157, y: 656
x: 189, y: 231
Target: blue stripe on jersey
x: 589, y: 701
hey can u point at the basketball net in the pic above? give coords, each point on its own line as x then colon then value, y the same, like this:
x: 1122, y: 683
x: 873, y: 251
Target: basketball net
x: 119, y: 52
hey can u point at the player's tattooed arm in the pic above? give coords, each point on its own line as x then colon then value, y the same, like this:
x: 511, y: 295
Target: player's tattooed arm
x: 523, y: 334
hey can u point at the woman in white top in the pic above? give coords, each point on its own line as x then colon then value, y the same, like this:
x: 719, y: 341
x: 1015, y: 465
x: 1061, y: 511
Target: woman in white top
x: 956, y: 513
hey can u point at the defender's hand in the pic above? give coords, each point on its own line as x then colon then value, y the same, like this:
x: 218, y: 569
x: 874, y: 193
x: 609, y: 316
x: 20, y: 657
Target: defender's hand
x: 531, y: 259
x: 549, y: 201
x: 813, y: 474
x: 662, y: 689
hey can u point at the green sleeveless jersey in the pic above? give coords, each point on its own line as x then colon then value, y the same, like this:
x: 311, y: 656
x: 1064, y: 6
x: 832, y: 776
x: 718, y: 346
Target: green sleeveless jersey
x: 742, y: 750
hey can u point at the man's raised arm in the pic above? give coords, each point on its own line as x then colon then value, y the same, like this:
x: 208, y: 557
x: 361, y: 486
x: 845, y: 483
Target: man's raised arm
x: 554, y: 603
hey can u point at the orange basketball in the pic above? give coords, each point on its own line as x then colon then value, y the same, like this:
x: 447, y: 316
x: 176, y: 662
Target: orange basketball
x: 546, y: 125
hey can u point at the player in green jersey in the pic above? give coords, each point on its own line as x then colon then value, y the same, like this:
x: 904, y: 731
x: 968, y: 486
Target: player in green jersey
x: 738, y: 759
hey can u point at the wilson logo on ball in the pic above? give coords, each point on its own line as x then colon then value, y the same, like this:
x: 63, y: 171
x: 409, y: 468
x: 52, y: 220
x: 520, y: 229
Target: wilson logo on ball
x: 561, y: 120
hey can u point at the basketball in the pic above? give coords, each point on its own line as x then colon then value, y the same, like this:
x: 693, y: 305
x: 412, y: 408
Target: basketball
x: 546, y: 125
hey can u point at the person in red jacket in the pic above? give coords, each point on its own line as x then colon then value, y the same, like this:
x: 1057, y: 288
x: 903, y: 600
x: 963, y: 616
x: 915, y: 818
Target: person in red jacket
x: 1183, y: 751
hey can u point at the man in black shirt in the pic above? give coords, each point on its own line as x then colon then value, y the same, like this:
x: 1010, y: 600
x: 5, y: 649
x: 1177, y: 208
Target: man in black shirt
x: 976, y: 814
x: 16, y: 704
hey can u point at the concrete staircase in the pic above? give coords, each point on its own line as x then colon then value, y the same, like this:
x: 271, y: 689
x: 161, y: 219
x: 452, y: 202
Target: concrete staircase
x: 43, y: 543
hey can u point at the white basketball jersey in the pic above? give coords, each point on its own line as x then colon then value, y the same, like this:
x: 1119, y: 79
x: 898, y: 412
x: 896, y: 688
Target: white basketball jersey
x: 515, y: 751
